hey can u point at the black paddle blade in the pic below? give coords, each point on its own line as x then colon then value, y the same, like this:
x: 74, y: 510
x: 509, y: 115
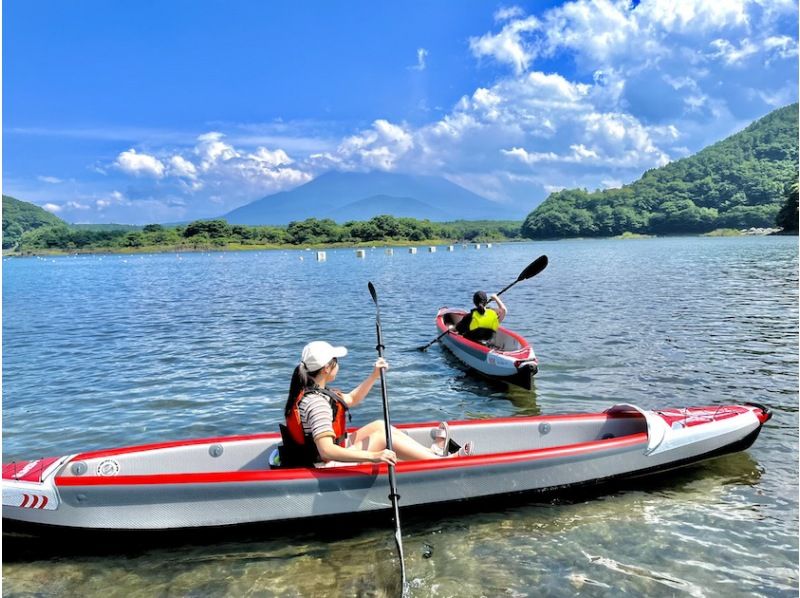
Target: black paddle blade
x: 536, y: 266
x: 372, y: 292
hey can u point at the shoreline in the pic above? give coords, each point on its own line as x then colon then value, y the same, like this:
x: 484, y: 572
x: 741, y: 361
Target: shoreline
x: 234, y: 247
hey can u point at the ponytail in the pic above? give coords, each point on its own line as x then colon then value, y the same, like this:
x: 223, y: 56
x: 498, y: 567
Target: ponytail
x: 481, y: 308
x: 301, y: 379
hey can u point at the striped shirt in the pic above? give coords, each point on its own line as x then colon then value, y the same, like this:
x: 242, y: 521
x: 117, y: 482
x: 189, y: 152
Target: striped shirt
x: 316, y: 414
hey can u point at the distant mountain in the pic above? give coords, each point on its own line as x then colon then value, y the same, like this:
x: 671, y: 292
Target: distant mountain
x: 377, y: 205
x: 344, y: 196
x: 739, y: 182
x: 20, y: 216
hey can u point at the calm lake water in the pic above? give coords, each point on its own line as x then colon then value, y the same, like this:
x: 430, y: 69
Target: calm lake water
x: 105, y: 351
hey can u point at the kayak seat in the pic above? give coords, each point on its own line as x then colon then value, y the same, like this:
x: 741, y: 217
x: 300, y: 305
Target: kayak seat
x: 291, y: 455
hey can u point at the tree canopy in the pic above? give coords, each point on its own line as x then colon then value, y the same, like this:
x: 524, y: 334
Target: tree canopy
x: 20, y: 217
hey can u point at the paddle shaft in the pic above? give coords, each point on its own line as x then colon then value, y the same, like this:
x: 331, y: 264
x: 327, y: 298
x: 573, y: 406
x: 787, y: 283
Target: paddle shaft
x: 393, y: 495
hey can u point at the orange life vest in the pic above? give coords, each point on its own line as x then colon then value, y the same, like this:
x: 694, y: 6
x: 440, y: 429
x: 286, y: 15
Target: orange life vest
x: 299, y: 446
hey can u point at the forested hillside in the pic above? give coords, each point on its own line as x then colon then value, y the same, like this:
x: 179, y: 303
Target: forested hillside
x: 739, y: 182
x: 20, y: 217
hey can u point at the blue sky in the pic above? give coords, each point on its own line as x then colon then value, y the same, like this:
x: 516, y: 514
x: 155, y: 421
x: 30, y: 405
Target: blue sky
x: 169, y: 111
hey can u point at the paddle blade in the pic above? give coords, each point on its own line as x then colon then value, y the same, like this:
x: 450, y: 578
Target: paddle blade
x: 536, y: 266
x: 372, y: 292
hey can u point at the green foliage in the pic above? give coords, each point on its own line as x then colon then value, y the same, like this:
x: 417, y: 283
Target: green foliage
x: 736, y: 183
x: 205, y: 234
x: 787, y: 216
x: 20, y: 217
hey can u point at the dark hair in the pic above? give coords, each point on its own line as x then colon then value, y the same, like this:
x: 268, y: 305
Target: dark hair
x: 480, y: 300
x: 301, y: 379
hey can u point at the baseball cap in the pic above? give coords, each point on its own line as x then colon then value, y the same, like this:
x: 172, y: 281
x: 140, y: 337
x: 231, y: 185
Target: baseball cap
x: 318, y: 354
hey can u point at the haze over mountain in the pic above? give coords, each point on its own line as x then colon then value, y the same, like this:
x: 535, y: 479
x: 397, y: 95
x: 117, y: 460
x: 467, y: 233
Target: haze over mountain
x: 344, y: 196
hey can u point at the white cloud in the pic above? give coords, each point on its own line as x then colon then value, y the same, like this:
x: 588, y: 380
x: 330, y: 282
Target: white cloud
x: 271, y: 158
x: 379, y: 147
x: 180, y: 166
x: 212, y: 150
x: 511, y: 12
x: 51, y: 207
x: 140, y: 164
x: 508, y: 46
x: 422, y: 54
x: 50, y: 179
x: 731, y: 54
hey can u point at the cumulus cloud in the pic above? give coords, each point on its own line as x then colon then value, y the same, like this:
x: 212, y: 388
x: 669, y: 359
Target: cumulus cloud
x: 180, y: 166
x: 140, y: 164
x: 50, y: 179
x: 380, y: 147
x: 53, y: 208
x: 508, y: 46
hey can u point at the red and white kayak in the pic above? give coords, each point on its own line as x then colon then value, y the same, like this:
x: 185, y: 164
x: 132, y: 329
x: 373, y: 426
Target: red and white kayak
x: 227, y: 481
x: 510, y: 358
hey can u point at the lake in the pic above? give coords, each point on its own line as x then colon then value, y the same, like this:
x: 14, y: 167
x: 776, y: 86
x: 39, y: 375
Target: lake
x: 102, y: 351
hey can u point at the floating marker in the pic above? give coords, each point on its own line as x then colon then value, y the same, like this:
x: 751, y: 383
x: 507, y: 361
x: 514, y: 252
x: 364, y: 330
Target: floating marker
x: 361, y: 253
x: 488, y: 246
x: 321, y: 256
x: 477, y: 245
x: 390, y: 251
x: 412, y: 250
x: 431, y: 249
x: 450, y: 248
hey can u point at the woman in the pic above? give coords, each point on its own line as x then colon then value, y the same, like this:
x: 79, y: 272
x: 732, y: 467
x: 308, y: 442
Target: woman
x: 315, y: 429
x: 481, y: 323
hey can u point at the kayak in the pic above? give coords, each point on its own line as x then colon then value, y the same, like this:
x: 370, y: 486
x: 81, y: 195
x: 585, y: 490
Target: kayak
x: 234, y: 480
x: 510, y: 358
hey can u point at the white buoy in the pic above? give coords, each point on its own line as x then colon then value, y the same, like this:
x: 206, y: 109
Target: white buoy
x: 431, y: 249
x: 390, y: 251
x: 450, y: 248
x: 321, y: 256
x: 412, y: 250
x: 477, y: 245
x: 361, y: 253
x: 488, y: 246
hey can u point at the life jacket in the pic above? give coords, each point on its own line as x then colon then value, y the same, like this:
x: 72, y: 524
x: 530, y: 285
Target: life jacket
x: 299, y: 448
x: 488, y: 320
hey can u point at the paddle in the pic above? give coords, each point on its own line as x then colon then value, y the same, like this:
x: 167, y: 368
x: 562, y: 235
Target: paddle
x: 398, y: 538
x: 536, y: 266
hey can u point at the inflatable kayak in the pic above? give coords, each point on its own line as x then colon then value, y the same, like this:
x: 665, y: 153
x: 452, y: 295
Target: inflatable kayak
x: 227, y: 481
x: 510, y: 358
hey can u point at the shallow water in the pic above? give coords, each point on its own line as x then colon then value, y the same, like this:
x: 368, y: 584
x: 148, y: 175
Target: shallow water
x: 103, y: 351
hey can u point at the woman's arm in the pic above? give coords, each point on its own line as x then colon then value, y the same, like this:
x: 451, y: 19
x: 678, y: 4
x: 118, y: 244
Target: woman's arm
x: 330, y: 451
x: 501, y: 307
x: 355, y: 396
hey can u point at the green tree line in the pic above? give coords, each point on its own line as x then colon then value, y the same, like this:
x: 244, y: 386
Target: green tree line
x: 218, y: 233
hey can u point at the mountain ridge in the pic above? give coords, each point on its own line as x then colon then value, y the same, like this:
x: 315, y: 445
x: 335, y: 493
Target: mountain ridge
x: 346, y: 195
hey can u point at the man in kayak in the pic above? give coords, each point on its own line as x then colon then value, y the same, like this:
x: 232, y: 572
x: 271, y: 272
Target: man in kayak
x: 481, y: 323
x: 316, y: 418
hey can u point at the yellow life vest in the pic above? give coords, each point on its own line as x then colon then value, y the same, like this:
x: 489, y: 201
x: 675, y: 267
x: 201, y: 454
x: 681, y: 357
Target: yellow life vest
x: 488, y: 320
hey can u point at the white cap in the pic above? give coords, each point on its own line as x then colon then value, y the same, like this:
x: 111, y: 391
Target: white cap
x: 318, y: 354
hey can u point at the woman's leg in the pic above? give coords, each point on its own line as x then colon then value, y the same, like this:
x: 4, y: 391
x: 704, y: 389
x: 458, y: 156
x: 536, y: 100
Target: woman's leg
x: 372, y: 437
